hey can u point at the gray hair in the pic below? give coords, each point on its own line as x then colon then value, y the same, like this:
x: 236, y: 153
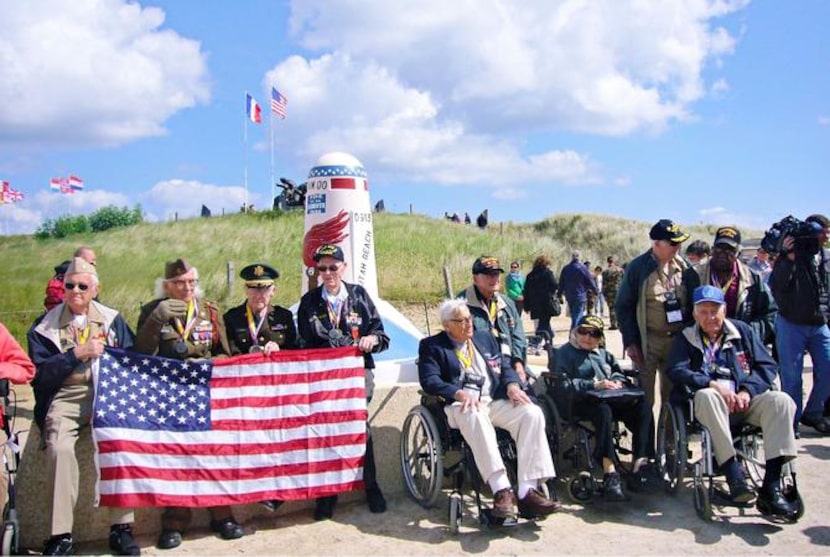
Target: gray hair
x: 158, y: 288
x: 450, y: 308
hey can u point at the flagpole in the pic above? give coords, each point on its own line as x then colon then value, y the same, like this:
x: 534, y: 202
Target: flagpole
x: 246, y: 150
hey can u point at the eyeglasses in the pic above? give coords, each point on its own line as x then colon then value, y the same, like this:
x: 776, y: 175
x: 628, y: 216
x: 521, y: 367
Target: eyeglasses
x: 83, y: 287
x: 330, y: 268
x: 590, y: 332
x: 182, y: 282
x: 467, y: 319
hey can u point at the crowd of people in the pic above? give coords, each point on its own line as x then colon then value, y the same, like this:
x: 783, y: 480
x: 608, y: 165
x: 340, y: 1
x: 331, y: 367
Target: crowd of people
x: 719, y: 329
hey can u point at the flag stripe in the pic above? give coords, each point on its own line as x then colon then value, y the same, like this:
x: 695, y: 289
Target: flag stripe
x: 279, y: 104
x: 237, y: 430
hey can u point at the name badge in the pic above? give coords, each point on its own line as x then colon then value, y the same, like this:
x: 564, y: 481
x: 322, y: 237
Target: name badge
x: 671, y: 305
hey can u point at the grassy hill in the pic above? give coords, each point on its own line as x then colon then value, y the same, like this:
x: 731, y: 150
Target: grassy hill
x: 411, y: 253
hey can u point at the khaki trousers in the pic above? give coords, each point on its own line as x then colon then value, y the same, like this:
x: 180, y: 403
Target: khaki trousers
x: 69, y: 413
x: 773, y: 411
x: 526, y: 425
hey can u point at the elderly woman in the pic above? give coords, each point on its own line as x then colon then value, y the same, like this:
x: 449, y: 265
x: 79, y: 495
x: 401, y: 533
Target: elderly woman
x: 596, y: 390
x: 342, y: 314
x: 183, y: 326
x: 482, y: 391
x: 63, y: 343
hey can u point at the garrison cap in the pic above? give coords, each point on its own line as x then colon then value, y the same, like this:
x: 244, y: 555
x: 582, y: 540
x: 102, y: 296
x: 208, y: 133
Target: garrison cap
x: 173, y: 269
x: 80, y: 265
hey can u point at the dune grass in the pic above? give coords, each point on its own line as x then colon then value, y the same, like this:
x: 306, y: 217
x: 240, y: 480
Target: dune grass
x: 412, y: 251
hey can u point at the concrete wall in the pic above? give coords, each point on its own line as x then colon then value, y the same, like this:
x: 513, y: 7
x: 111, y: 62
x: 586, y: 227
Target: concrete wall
x: 386, y: 413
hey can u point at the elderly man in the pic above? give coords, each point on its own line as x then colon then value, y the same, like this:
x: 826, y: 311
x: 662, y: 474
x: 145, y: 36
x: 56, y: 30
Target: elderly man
x: 62, y: 345
x: 181, y: 325
x: 256, y: 325
x: 494, y: 312
x: 469, y: 371
x: 731, y: 374
x: 650, y: 306
x: 747, y: 297
x: 800, y: 282
x: 576, y: 282
x: 341, y: 314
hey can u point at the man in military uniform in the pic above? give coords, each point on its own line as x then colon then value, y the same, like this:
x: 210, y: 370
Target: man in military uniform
x: 493, y: 311
x: 256, y: 325
x: 611, y: 277
x: 183, y: 326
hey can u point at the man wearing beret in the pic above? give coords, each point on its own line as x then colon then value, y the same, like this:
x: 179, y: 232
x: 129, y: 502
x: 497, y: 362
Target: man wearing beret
x: 651, y: 305
x: 256, y: 325
x: 747, y: 297
x: 63, y: 344
x: 181, y: 325
x: 337, y: 313
x: 494, y: 312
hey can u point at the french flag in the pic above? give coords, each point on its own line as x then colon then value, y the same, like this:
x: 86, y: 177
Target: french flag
x: 253, y: 110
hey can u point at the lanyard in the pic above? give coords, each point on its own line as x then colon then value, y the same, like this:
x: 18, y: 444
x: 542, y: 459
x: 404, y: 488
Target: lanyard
x: 253, y: 326
x: 725, y: 287
x: 334, y: 316
x: 192, y: 313
x: 81, y: 335
x: 710, y: 350
x: 465, y: 356
x: 669, y: 283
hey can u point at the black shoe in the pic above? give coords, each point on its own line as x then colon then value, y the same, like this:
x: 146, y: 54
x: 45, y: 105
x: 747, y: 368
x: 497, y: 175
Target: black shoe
x: 228, y: 528
x: 817, y: 422
x: 772, y: 502
x: 272, y: 504
x: 377, y: 504
x: 325, y: 507
x: 59, y: 545
x: 645, y: 479
x: 122, y: 541
x: 739, y: 492
x: 612, y: 490
x: 168, y: 539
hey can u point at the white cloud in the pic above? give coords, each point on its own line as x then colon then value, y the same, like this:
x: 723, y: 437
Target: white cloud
x: 824, y: 120
x: 186, y: 197
x: 721, y: 216
x: 100, y: 72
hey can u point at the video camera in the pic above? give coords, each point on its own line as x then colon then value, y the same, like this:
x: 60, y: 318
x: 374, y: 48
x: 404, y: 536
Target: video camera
x: 804, y: 233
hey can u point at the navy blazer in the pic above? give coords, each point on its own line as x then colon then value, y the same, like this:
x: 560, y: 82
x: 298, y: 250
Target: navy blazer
x: 439, y: 369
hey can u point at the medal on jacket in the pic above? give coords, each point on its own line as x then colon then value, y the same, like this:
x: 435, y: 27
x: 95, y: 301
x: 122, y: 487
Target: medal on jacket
x: 255, y: 349
x: 180, y: 347
x: 335, y: 334
x: 253, y: 329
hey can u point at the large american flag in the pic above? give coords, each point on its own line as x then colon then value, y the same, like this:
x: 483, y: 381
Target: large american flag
x: 235, y: 430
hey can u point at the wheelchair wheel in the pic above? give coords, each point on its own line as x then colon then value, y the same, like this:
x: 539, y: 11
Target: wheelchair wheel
x: 703, y: 500
x: 581, y: 489
x: 455, y: 512
x: 10, y: 539
x: 422, y: 461
x: 553, y: 430
x: 751, y: 451
x: 672, y: 447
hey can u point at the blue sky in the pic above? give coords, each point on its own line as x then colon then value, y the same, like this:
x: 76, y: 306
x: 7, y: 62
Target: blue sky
x: 700, y: 111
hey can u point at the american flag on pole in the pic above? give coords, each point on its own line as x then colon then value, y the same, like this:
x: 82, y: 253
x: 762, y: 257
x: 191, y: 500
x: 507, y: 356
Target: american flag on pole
x: 279, y: 104
x: 228, y: 431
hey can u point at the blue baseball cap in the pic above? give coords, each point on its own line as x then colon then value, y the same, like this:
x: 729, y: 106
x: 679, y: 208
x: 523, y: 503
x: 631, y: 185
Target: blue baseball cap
x: 708, y: 293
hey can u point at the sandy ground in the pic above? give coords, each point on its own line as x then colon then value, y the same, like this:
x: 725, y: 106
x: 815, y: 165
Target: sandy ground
x: 647, y: 525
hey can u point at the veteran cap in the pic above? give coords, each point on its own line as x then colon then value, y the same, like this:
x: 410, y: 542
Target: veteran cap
x: 708, y: 293
x: 259, y: 274
x: 591, y: 322
x: 487, y: 265
x: 80, y: 265
x: 728, y: 235
x: 329, y: 250
x: 175, y: 268
x: 665, y: 229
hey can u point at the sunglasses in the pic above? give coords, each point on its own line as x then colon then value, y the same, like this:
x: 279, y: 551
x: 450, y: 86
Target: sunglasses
x: 590, y: 332
x: 462, y: 320
x: 330, y: 268
x: 83, y: 287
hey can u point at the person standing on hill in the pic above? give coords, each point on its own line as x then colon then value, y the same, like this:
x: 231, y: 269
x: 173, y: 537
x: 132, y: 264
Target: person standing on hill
x: 650, y: 306
x: 611, y: 277
x: 575, y: 282
x: 540, y: 296
x: 180, y: 324
x: 516, y: 286
x: 494, y: 312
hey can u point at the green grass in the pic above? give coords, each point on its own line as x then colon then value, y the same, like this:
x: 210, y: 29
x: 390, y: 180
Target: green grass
x: 411, y: 252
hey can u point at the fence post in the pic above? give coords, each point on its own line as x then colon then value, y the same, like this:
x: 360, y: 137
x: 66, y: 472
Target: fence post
x: 230, y: 277
x: 447, y: 282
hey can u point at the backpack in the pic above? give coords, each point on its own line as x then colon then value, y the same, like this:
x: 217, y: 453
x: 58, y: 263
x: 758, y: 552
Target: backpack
x: 54, y: 292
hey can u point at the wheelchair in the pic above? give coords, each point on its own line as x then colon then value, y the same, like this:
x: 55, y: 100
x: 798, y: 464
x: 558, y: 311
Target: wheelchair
x: 676, y: 457
x: 11, y: 460
x: 570, y: 438
x: 432, y: 452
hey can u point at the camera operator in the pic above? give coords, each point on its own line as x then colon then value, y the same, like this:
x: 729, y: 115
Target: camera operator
x: 800, y: 283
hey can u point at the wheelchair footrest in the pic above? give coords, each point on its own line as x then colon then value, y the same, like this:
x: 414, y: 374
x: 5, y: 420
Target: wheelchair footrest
x: 722, y: 499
